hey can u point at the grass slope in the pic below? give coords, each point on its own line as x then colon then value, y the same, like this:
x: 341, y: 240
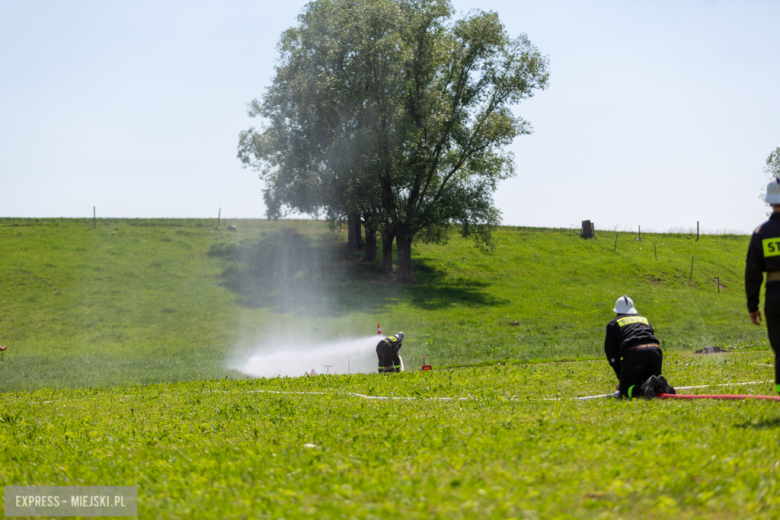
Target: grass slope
x: 145, y: 301
x: 236, y: 449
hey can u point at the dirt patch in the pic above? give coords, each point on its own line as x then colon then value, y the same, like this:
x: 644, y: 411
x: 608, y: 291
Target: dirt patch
x: 711, y: 350
x: 654, y: 280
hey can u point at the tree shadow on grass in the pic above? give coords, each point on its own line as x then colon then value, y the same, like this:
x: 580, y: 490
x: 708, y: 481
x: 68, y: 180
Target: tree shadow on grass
x: 289, y: 272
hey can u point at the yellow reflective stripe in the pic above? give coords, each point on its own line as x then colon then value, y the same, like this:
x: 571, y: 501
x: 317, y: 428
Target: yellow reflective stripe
x: 393, y: 339
x: 633, y: 319
x: 771, y: 246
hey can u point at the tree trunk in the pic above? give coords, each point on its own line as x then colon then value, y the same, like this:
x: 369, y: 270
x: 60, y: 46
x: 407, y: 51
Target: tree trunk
x: 358, y: 232
x: 404, y: 244
x: 351, y: 240
x: 370, y: 253
x: 387, y: 250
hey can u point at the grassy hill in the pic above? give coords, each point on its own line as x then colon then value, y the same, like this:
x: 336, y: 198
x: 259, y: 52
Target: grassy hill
x: 144, y: 301
x: 120, y: 338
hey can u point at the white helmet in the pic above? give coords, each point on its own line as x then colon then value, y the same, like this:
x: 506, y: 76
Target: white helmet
x: 624, y: 305
x: 400, y: 336
x: 773, y: 191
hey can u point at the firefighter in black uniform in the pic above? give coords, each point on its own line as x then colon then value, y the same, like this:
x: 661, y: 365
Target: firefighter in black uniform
x: 633, y: 352
x: 764, y: 255
x: 387, y: 352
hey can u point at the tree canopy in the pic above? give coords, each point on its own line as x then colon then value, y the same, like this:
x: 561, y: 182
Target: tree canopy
x: 392, y: 111
x: 772, y: 167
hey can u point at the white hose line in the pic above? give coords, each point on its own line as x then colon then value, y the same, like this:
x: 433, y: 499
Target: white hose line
x: 394, y: 398
x: 584, y: 398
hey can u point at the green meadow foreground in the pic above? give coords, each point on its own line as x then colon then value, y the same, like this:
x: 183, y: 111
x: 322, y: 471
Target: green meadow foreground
x: 512, y: 446
x: 147, y: 301
x: 122, y: 338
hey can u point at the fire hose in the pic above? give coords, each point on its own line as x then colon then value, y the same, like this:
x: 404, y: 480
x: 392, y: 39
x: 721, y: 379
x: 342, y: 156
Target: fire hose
x: 719, y: 396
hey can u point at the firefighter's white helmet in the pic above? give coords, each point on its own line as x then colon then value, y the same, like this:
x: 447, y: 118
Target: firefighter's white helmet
x: 773, y: 191
x: 624, y: 305
x: 400, y: 336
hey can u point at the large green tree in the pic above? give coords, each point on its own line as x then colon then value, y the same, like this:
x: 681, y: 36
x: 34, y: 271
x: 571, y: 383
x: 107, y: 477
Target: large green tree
x: 390, y: 109
x: 312, y: 151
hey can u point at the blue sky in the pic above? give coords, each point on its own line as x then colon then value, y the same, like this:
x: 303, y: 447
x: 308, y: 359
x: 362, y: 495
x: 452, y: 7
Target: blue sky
x: 658, y: 114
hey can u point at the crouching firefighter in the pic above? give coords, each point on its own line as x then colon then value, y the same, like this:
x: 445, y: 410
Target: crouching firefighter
x: 387, y: 352
x: 633, y: 353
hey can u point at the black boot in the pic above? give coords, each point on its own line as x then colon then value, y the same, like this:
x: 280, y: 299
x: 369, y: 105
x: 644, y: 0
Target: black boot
x: 649, y: 386
x: 665, y: 387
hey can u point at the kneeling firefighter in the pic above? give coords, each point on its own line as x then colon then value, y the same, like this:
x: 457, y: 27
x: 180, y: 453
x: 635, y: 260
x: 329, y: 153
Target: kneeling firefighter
x: 387, y: 352
x: 633, y: 352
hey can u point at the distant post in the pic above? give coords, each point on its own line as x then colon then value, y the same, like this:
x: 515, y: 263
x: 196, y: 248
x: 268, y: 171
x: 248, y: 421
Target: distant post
x: 588, y: 229
x: 94, y: 217
x: 697, y: 230
x: 219, y: 215
x: 656, y: 252
x: 640, y: 233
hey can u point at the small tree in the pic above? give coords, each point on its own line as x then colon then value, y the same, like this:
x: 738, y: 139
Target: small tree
x: 772, y: 167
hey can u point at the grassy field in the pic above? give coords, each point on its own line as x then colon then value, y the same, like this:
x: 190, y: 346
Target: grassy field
x: 512, y: 445
x: 145, y: 301
x: 120, y: 338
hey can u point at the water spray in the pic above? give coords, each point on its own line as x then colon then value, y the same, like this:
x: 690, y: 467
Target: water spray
x: 296, y: 357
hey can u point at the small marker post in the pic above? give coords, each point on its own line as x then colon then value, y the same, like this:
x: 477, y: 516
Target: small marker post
x: 378, y: 330
x: 656, y: 252
x: 328, y: 368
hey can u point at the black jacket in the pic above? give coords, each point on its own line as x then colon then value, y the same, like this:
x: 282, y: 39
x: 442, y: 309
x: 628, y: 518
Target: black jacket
x: 763, y: 255
x: 624, y: 332
x: 392, y: 342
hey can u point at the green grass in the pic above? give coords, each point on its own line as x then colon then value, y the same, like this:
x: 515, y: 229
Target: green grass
x: 120, y: 338
x: 147, y: 301
x: 236, y: 449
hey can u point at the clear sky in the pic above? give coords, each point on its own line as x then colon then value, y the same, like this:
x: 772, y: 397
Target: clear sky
x: 658, y: 113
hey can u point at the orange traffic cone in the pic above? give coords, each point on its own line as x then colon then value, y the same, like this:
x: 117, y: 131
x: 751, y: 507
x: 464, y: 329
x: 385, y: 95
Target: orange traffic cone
x: 378, y: 330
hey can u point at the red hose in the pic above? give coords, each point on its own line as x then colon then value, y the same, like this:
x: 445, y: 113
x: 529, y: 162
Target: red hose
x: 722, y: 396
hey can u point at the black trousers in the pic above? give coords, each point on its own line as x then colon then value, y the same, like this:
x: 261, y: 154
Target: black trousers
x: 772, y: 317
x: 388, y: 358
x: 636, y: 366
